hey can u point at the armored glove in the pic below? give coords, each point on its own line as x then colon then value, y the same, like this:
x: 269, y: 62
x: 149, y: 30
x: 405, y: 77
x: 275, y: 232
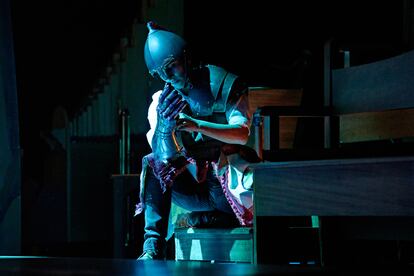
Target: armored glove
x: 167, y: 153
x: 164, y: 142
x: 170, y: 103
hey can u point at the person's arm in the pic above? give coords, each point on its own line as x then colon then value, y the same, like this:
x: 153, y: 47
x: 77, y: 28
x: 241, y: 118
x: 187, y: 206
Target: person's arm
x: 236, y: 131
x: 228, y: 133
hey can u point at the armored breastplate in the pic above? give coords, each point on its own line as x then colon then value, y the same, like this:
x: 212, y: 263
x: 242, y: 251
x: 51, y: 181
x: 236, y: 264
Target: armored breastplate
x: 207, y: 99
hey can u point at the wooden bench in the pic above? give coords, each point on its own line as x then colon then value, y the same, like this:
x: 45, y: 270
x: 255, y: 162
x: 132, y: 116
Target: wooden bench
x: 369, y: 110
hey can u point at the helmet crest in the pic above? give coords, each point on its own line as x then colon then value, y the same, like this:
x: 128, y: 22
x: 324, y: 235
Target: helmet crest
x: 161, y: 45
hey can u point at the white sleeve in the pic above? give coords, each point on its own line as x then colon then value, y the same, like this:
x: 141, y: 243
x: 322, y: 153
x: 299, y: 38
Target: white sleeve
x: 152, y: 116
x: 239, y: 113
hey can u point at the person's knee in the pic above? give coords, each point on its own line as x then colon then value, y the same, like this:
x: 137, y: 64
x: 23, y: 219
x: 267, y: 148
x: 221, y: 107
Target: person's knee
x: 153, y: 191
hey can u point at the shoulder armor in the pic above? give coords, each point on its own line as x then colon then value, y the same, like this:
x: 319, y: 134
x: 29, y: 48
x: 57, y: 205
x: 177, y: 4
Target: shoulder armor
x: 221, y: 83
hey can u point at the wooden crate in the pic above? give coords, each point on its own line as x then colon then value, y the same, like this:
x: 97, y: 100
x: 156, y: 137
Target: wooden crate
x: 208, y: 244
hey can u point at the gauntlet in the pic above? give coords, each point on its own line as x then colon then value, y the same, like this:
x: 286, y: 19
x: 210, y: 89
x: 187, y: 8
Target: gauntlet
x: 168, y: 156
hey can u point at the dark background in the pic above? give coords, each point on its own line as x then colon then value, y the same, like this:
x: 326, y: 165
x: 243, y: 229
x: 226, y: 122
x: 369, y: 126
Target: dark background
x: 262, y: 33
x: 62, y: 47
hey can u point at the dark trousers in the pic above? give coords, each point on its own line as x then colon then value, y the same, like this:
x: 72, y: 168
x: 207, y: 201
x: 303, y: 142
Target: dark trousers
x: 186, y: 193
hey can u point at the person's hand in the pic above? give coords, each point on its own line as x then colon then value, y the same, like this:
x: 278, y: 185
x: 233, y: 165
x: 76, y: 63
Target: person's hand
x: 170, y: 103
x: 187, y: 123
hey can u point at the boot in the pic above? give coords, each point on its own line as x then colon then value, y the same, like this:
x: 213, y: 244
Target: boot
x: 149, y: 255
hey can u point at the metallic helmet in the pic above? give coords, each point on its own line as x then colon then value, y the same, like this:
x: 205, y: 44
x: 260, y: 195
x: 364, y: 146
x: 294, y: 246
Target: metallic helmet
x: 161, y: 46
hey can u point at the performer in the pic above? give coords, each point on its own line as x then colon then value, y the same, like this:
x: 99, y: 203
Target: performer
x: 199, y: 124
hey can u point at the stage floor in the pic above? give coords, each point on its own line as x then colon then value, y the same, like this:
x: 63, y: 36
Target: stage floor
x: 77, y: 266
x: 27, y: 265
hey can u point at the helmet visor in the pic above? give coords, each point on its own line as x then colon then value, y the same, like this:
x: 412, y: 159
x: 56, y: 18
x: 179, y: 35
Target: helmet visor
x: 172, y: 71
x: 171, y: 68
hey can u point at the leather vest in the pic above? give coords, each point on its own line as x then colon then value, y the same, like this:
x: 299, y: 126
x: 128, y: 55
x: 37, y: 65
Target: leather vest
x: 219, y: 83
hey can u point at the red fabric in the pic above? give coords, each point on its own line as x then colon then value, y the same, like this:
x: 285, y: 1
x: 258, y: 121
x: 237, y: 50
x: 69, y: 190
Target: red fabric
x: 244, y: 215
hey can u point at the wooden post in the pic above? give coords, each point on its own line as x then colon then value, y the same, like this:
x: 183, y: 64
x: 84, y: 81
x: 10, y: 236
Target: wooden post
x: 327, y: 88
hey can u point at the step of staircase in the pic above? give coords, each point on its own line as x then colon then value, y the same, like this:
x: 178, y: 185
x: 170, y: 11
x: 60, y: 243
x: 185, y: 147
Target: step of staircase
x: 214, y: 244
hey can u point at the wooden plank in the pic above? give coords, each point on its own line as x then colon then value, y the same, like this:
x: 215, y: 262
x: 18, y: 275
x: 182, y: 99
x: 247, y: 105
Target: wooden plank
x: 358, y: 187
x: 383, y: 85
x: 225, y: 245
x: 259, y: 97
x: 273, y: 97
x: 371, y: 126
x: 287, y: 131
